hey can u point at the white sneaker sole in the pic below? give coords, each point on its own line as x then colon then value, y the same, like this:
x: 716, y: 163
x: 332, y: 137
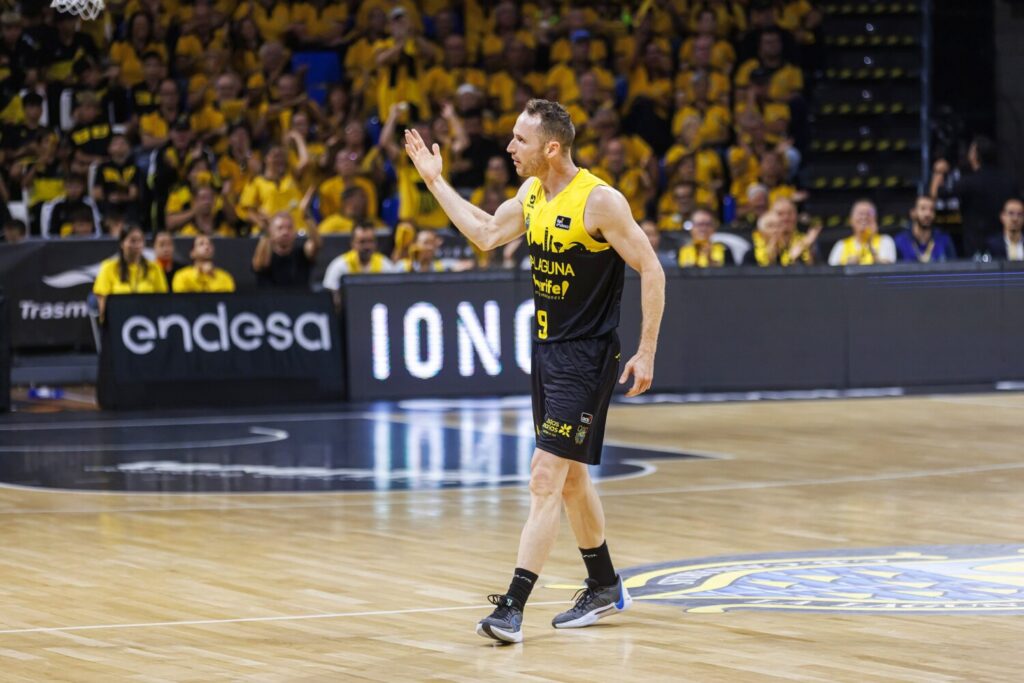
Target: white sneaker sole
x: 591, y: 618
x: 489, y: 631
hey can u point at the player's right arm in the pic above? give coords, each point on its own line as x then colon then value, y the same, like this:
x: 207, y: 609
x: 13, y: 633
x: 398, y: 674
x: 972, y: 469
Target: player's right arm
x: 483, y: 229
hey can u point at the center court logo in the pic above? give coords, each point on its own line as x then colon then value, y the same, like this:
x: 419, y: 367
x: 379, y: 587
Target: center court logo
x: 300, y: 454
x: 982, y: 579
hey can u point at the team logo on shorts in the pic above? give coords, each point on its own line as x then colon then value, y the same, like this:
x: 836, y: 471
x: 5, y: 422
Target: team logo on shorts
x: 925, y: 579
x: 586, y: 418
x: 581, y: 434
x: 553, y: 427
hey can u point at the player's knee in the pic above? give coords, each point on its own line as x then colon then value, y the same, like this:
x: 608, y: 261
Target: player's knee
x: 547, y: 479
x: 575, y: 486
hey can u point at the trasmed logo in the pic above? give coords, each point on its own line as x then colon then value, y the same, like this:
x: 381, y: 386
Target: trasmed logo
x: 213, y: 332
x: 924, y: 579
x: 52, y: 310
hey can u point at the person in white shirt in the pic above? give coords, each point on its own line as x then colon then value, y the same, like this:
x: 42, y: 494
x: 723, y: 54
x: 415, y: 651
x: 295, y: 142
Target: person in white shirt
x: 865, y: 247
x: 362, y: 257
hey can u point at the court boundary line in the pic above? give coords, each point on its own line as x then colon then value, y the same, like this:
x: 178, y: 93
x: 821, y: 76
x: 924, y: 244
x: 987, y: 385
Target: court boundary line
x: 299, y: 417
x: 852, y: 479
x: 260, y: 436
x: 247, y: 620
x: 414, y: 497
x: 175, y: 421
x: 976, y: 401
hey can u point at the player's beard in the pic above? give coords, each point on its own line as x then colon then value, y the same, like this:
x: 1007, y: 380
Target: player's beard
x: 532, y: 169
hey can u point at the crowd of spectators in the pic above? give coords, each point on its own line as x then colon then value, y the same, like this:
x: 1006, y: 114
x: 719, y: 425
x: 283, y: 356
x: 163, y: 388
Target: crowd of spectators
x: 202, y: 118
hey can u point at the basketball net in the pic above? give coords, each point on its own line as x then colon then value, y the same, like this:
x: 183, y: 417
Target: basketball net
x: 86, y: 9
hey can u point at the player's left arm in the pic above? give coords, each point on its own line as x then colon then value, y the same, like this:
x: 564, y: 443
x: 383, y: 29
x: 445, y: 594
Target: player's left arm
x: 608, y: 212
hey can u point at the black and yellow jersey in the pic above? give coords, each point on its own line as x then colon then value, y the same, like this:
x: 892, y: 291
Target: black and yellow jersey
x: 577, y: 279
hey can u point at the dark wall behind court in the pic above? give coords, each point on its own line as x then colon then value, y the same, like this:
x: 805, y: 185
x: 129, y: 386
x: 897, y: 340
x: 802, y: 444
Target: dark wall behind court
x: 726, y: 330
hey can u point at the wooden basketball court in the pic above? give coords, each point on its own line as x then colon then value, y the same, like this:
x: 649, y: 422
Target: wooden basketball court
x: 387, y: 584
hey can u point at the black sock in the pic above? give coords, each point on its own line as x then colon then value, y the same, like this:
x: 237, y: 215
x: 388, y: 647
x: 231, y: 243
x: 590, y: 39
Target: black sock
x: 522, y: 584
x: 599, y: 564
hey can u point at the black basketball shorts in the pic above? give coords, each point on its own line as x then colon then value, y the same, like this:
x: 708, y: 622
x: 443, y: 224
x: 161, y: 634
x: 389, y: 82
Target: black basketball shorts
x: 572, y: 387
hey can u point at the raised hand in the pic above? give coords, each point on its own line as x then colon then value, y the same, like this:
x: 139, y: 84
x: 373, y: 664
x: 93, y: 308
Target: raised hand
x: 803, y: 245
x: 428, y: 162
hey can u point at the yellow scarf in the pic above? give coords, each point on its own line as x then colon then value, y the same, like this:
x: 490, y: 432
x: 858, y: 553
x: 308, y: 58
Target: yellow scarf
x: 783, y: 258
x: 376, y: 264
x: 855, y: 252
x: 409, y: 266
x: 691, y: 256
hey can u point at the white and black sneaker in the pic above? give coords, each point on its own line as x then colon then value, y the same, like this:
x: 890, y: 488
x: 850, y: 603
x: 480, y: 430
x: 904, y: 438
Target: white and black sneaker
x: 594, y: 602
x: 505, y: 624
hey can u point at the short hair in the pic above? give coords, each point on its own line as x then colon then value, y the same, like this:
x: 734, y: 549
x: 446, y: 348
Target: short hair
x: 864, y: 200
x: 16, y: 224
x: 81, y: 214
x: 784, y: 200
x: 282, y: 216
x: 709, y: 212
x: 363, y: 227
x: 985, y: 149
x: 240, y: 124
x: 152, y: 54
x: 755, y: 189
x: 923, y: 196
x: 115, y: 212
x: 555, y: 121
x: 32, y: 99
x: 198, y: 161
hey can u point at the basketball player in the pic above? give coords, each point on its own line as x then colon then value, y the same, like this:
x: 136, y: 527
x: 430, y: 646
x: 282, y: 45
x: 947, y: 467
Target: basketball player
x: 580, y: 231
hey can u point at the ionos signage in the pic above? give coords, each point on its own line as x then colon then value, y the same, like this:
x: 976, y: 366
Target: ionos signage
x: 478, y: 348
x: 438, y: 337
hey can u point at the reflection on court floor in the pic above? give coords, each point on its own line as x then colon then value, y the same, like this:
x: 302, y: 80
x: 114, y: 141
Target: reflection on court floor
x: 386, y: 448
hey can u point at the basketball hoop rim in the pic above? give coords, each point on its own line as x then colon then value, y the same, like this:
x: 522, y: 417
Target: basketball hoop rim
x: 84, y: 9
